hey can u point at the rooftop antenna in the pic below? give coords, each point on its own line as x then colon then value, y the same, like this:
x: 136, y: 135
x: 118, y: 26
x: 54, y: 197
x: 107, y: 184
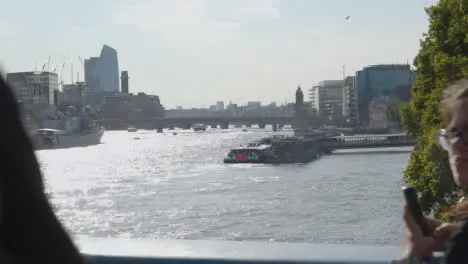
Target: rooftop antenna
x: 343, y: 71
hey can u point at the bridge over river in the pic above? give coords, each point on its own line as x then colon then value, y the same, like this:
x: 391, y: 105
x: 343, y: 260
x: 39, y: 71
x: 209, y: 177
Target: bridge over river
x: 224, y: 122
x: 213, y: 121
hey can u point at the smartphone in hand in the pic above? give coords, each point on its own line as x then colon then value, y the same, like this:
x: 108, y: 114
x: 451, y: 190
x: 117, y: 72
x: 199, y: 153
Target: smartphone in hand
x: 411, y: 198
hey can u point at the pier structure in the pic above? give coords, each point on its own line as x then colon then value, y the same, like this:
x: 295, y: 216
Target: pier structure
x: 370, y: 141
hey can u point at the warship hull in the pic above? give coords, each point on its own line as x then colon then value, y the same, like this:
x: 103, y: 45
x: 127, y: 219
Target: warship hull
x: 68, y: 140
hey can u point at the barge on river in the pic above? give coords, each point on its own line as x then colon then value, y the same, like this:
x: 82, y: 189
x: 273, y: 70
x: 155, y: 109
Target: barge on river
x: 279, y: 150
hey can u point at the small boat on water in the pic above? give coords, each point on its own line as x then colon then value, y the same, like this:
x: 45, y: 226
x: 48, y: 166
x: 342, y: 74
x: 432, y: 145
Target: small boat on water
x: 132, y: 129
x: 199, y: 127
x: 253, y: 153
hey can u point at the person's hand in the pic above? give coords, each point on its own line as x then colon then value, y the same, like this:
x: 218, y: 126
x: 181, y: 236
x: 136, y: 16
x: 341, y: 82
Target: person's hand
x: 421, y: 246
x: 443, y: 233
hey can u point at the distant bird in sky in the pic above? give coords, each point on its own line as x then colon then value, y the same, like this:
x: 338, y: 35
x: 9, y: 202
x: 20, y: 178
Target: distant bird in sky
x: 347, y: 17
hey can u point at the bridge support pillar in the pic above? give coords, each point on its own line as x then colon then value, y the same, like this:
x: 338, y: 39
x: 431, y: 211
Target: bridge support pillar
x: 159, y: 128
x: 224, y: 125
x: 214, y: 125
x: 262, y: 125
x: 275, y: 127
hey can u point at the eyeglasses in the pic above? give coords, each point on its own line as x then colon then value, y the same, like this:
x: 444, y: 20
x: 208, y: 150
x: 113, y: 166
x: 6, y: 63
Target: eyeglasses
x: 446, y: 138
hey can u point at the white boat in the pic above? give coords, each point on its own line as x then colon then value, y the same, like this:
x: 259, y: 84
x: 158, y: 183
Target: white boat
x: 47, y: 138
x: 199, y: 127
x: 132, y: 129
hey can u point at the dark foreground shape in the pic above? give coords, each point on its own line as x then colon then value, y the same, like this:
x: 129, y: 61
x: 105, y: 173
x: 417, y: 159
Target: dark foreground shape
x: 109, y: 251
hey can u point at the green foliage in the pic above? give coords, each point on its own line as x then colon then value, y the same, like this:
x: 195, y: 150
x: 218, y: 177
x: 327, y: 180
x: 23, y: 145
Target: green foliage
x: 443, y: 58
x: 393, y: 112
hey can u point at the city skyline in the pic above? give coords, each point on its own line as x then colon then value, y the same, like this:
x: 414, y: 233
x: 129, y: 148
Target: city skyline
x: 235, y: 51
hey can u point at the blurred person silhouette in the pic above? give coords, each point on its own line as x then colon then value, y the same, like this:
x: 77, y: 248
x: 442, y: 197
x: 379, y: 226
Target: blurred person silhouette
x: 30, y: 232
x: 449, y: 237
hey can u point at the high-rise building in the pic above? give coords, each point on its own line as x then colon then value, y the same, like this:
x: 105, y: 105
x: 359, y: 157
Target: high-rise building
x: 379, y: 81
x: 39, y: 88
x: 91, y: 73
x: 349, y: 99
x: 102, y: 73
x: 327, y: 97
x: 124, y: 81
x: 108, y: 70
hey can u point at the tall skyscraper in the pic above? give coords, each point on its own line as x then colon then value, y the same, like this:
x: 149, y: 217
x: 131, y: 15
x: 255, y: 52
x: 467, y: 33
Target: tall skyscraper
x: 102, y: 73
x: 108, y: 70
x: 380, y: 81
x: 350, y: 99
x: 124, y: 81
x: 91, y: 74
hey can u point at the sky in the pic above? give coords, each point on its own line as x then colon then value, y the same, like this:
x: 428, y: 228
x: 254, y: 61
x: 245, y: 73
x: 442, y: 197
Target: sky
x: 196, y: 52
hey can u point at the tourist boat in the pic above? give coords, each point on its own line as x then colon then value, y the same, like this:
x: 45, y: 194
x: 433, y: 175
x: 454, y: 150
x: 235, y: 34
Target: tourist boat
x: 132, y: 129
x: 253, y: 153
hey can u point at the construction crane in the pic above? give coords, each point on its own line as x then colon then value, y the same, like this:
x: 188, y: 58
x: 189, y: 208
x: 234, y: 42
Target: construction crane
x: 82, y: 65
x: 81, y: 61
x: 72, y: 73
x: 61, y: 72
x: 48, y: 64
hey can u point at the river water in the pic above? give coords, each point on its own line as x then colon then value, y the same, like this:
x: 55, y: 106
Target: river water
x: 176, y: 187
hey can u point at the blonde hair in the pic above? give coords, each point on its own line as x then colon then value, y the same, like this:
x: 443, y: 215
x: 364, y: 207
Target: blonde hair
x: 451, y: 97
